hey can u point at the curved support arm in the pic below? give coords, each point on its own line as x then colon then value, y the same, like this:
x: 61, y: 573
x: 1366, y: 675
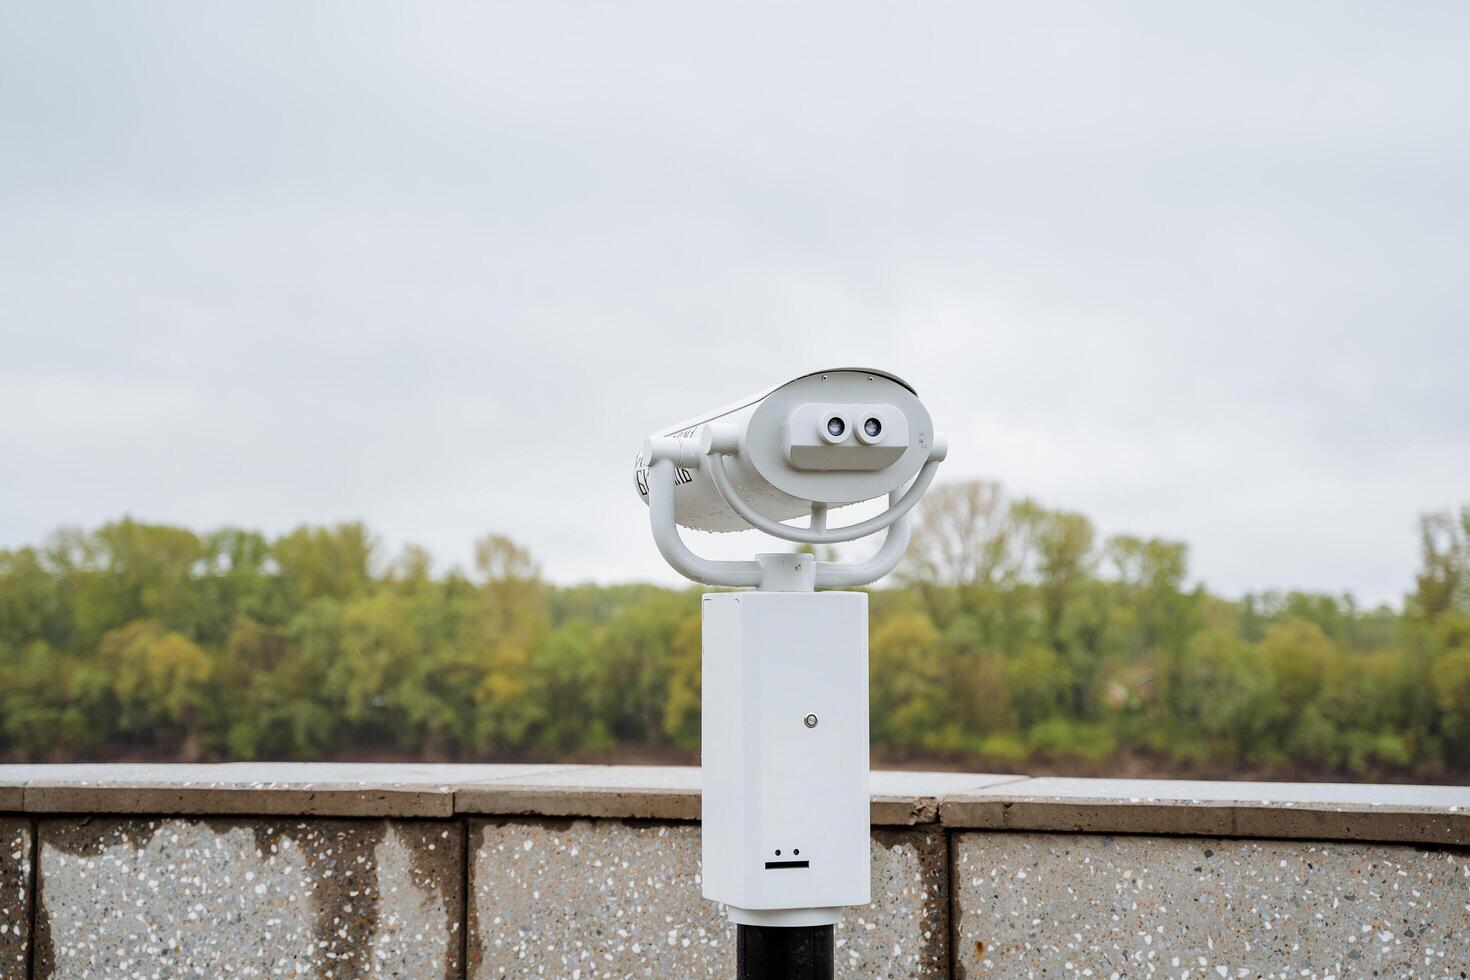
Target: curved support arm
x: 847, y: 575
x: 673, y: 548
x: 896, y: 509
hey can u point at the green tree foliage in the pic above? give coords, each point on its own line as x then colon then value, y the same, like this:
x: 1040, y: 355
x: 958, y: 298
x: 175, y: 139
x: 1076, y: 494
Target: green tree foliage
x: 1015, y: 635
x: 158, y: 681
x: 905, y: 651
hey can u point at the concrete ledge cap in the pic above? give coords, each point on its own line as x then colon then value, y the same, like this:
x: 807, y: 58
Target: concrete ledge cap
x: 1322, y: 811
x: 265, y: 789
x: 673, y: 793
x: 628, y: 792
x: 978, y: 801
x: 333, y: 789
x: 903, y: 799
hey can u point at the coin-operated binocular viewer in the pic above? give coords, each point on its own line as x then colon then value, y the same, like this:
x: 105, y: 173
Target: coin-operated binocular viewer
x: 785, y: 708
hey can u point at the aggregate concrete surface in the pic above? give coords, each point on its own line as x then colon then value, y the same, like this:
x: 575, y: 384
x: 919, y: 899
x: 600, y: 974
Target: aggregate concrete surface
x: 15, y: 896
x: 583, y: 899
x: 1074, y: 905
x: 248, y: 898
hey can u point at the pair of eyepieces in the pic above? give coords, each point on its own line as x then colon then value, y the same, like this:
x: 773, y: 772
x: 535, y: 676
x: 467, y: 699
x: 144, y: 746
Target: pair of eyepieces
x: 837, y: 427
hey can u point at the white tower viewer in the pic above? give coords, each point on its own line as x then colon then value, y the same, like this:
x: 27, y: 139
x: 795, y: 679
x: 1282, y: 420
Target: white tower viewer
x: 785, y: 668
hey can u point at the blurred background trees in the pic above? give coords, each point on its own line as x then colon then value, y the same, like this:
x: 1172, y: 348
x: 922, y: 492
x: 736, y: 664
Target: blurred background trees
x: 1014, y: 637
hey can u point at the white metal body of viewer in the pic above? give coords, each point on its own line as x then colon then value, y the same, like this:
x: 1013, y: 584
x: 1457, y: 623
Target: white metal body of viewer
x: 785, y: 668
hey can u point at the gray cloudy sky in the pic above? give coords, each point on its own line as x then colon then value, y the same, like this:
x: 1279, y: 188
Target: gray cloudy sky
x: 1196, y: 271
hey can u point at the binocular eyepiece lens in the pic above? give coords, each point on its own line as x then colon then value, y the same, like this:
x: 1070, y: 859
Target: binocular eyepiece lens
x: 835, y: 427
x: 872, y: 427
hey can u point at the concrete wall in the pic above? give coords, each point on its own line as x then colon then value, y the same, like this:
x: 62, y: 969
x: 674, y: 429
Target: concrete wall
x: 15, y: 895
x: 614, y: 898
x: 1062, y: 904
x: 482, y: 871
x: 209, y: 898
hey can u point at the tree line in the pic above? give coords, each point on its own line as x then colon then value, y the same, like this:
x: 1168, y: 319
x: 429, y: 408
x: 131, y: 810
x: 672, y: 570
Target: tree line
x: 1014, y: 637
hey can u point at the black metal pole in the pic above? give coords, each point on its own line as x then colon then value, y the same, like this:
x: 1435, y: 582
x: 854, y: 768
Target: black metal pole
x: 783, y: 953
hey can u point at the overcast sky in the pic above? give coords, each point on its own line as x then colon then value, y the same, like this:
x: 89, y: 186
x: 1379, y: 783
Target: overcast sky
x: 1196, y: 271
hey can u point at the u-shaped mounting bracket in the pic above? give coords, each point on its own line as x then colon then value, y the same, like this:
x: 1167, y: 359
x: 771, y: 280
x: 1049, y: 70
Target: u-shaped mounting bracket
x: 897, y: 508
x: 897, y: 521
